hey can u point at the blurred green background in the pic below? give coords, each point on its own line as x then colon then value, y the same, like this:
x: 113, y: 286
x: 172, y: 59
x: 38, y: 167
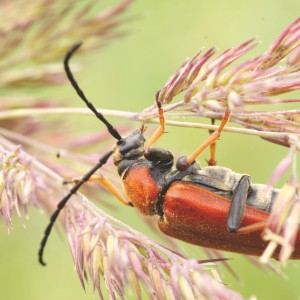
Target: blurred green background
x: 125, y: 76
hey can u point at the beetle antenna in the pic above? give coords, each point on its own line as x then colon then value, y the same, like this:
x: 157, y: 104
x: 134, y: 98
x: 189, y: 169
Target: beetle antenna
x: 80, y: 93
x: 64, y: 201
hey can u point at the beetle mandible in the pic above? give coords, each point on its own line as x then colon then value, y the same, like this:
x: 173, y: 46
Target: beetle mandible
x: 201, y: 206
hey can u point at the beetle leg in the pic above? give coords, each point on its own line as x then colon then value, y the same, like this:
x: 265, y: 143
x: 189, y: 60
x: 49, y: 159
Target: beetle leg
x: 107, y: 184
x: 212, y: 161
x: 252, y: 228
x: 238, y: 204
x: 210, y: 140
x: 160, y: 130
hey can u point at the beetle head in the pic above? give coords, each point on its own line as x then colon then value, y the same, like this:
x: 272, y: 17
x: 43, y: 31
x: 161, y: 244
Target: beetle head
x: 130, y: 147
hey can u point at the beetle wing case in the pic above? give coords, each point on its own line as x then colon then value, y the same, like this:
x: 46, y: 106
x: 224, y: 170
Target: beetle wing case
x: 198, y: 216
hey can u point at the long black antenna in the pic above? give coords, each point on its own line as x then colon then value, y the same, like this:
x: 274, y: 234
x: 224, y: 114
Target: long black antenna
x: 63, y: 202
x: 101, y: 162
x: 80, y: 93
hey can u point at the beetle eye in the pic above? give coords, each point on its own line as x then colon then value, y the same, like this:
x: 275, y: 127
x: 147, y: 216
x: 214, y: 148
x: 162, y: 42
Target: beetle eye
x: 128, y: 146
x: 133, y: 142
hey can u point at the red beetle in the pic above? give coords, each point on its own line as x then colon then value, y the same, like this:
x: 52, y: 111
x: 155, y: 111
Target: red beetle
x: 201, y: 206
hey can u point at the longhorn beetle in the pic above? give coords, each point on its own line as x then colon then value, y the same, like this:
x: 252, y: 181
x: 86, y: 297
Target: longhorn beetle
x: 201, y: 206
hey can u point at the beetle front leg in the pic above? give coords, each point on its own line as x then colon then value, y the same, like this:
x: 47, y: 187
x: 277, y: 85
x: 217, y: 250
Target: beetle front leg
x: 161, y: 129
x: 238, y: 204
x: 107, y: 184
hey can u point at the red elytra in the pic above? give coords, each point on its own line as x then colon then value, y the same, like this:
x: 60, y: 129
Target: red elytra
x: 199, y: 217
x: 193, y: 214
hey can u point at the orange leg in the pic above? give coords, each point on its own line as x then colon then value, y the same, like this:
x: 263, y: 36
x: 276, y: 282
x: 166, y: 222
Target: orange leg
x: 252, y: 228
x: 160, y: 130
x: 209, y: 141
x: 212, y: 161
x: 106, y: 184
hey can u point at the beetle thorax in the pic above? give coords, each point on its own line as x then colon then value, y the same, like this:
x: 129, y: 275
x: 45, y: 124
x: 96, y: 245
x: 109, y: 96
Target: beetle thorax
x: 141, y: 188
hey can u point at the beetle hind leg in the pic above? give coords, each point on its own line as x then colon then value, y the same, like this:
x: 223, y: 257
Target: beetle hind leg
x: 252, y: 228
x: 212, y: 161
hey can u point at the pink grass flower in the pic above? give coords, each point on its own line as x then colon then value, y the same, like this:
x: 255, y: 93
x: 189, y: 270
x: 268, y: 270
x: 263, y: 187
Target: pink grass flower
x: 212, y: 84
x: 17, y: 189
x: 125, y: 258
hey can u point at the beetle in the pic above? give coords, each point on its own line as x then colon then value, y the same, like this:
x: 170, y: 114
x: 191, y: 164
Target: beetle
x: 201, y: 206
